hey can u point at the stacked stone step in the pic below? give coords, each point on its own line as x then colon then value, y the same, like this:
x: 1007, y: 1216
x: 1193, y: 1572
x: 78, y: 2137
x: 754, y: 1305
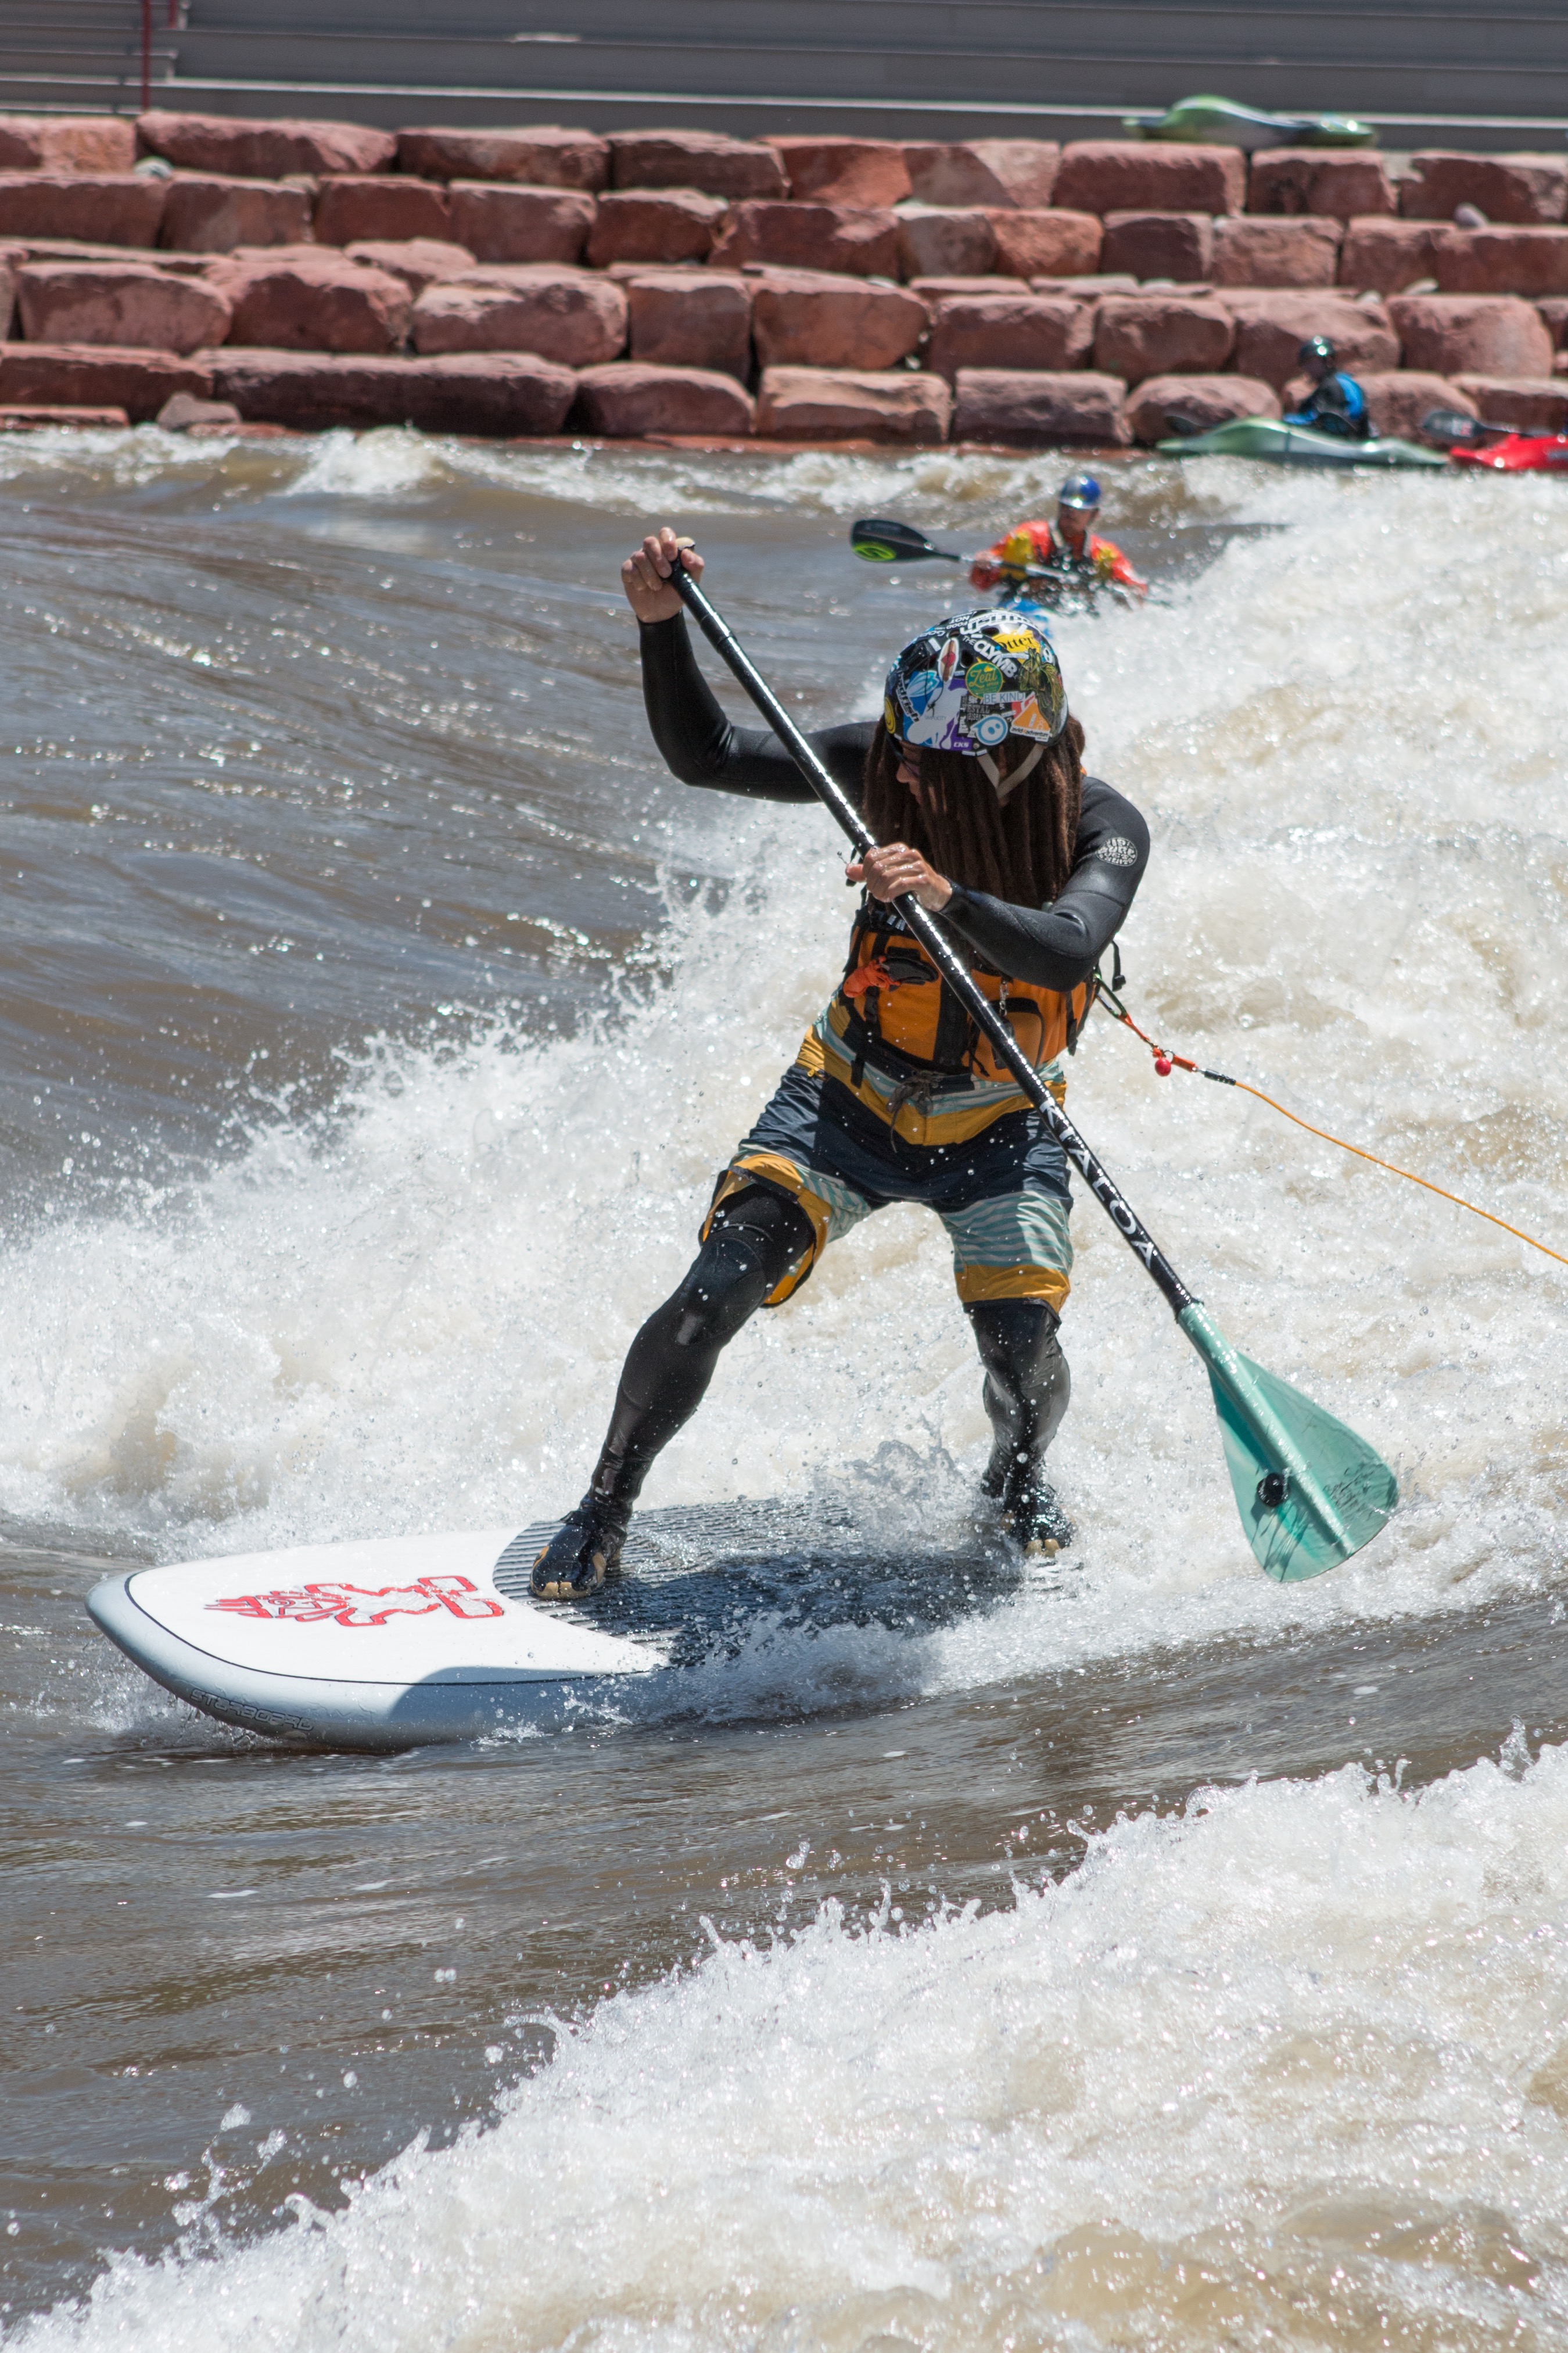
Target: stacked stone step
x: 539, y: 279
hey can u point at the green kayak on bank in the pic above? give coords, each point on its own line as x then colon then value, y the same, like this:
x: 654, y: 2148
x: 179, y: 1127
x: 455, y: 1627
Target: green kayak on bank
x: 1294, y: 445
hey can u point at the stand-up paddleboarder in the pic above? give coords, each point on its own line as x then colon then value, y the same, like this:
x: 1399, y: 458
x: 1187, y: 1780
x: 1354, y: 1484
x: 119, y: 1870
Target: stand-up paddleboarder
x: 973, y: 779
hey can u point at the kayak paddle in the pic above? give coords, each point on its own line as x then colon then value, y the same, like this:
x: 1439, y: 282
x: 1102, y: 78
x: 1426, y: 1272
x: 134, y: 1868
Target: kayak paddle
x: 880, y: 541
x: 1452, y: 430
x: 1309, y: 1492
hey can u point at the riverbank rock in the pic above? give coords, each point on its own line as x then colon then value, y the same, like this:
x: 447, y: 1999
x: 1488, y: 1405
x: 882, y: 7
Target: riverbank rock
x: 1124, y: 175
x: 129, y: 304
x: 1471, y: 334
x: 312, y: 301
x: 1050, y: 243
x: 1398, y: 398
x: 78, y: 375
x: 1385, y: 257
x: 1040, y: 332
x: 861, y: 173
x: 1529, y: 403
x: 938, y: 240
x: 544, y: 155
x: 1303, y: 251
x: 97, y: 207
x: 1271, y: 327
x: 852, y: 405
x: 205, y: 212
x: 691, y: 319
x: 67, y: 143
x: 1019, y: 173
x: 807, y: 318
x: 708, y: 159
x: 1501, y: 261
x: 1342, y: 184
x: 232, y: 144
x: 355, y: 206
x: 630, y: 399
x: 654, y: 225
x: 860, y: 244
x: 501, y: 221
x: 1010, y: 405
x: 1139, y: 335
x: 420, y: 261
x: 490, y: 392
x: 570, y: 316
x: 182, y: 414
x: 1516, y: 190
x: 1160, y: 245
x: 1165, y: 406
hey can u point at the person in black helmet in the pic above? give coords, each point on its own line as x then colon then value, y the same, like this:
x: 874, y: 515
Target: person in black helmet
x: 972, y: 780
x: 1336, y: 403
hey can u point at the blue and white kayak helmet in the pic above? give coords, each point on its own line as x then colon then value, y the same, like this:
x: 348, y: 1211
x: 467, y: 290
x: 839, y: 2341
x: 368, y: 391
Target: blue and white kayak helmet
x: 1080, y: 494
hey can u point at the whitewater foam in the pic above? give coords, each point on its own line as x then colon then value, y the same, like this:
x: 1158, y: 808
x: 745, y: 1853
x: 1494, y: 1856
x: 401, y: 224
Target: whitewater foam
x: 1288, y: 2070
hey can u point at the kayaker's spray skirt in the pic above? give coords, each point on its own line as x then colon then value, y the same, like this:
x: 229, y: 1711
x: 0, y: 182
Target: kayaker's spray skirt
x: 970, y: 682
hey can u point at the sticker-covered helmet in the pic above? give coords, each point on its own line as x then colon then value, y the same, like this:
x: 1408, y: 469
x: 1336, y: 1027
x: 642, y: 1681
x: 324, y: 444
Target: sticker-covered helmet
x: 969, y: 683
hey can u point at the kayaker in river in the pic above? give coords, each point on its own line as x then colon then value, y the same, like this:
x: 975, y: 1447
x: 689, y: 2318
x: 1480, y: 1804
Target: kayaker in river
x: 1337, y: 403
x: 1069, y: 548
x: 972, y: 780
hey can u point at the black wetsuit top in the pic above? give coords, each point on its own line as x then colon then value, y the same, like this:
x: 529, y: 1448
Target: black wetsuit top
x: 1051, y: 947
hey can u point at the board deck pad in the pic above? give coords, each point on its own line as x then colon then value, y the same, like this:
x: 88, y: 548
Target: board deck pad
x: 394, y: 1642
x: 699, y: 1576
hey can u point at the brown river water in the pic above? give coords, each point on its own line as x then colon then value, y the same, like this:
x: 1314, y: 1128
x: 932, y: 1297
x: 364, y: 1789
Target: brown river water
x: 1122, y: 1952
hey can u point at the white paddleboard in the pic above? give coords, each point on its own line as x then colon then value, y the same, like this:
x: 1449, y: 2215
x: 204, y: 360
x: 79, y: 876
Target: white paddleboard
x: 379, y: 1645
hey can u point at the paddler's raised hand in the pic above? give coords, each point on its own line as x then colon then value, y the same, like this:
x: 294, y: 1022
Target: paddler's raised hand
x: 647, y: 574
x: 895, y: 869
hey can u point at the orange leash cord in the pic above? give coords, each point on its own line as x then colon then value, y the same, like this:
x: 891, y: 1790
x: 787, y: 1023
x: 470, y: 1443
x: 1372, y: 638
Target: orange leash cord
x: 1165, y: 1061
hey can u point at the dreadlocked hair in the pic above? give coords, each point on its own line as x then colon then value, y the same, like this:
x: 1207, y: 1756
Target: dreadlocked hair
x: 1020, y: 848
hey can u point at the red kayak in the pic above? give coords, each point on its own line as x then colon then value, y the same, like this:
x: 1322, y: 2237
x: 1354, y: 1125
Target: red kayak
x: 1518, y: 453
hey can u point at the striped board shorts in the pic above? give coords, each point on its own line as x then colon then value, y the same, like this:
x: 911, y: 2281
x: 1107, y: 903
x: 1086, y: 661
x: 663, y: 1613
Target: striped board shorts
x: 1001, y: 1194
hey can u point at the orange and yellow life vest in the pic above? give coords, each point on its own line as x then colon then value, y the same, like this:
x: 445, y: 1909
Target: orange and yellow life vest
x: 894, y: 1010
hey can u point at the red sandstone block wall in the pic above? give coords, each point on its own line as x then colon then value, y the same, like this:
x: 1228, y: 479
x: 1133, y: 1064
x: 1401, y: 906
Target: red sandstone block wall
x: 685, y: 281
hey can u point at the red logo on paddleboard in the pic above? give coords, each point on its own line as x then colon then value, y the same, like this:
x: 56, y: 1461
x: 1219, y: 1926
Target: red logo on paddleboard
x: 365, y: 1605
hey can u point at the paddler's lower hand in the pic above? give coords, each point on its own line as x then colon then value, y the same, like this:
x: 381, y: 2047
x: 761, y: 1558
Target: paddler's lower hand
x: 894, y: 870
x: 647, y: 574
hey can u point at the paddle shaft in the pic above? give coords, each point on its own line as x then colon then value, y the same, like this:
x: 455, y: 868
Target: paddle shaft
x: 1133, y: 1232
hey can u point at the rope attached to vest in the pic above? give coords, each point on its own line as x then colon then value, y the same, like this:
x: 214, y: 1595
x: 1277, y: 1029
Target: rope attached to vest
x: 1166, y: 1061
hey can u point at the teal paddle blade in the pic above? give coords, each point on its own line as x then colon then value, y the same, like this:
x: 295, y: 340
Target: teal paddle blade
x: 1309, y: 1492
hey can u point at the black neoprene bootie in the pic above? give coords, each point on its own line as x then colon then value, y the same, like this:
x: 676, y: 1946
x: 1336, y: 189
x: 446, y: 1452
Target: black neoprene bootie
x: 1032, y: 1514
x: 584, y: 1550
